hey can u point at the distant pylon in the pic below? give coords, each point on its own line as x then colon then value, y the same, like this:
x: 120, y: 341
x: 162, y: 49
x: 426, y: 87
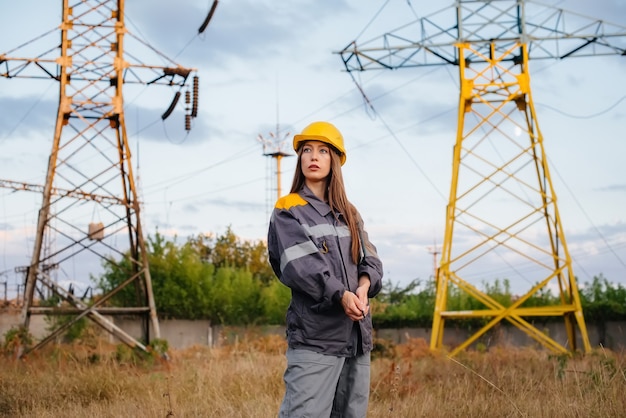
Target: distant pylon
x: 274, y: 147
x: 90, y: 171
x: 502, y: 206
x: 435, y: 251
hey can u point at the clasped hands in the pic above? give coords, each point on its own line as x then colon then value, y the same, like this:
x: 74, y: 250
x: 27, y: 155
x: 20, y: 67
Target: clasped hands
x: 356, y: 304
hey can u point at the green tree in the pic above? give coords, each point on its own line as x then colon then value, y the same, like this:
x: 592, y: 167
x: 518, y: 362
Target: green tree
x: 220, y: 278
x: 180, y: 280
x: 602, y: 300
x: 275, y: 298
x: 398, y: 306
x: 235, y: 297
x: 228, y: 250
x: 229, y: 281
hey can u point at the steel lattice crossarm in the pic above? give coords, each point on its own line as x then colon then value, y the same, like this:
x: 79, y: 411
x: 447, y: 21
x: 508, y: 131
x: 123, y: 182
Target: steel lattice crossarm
x: 548, y: 32
x: 47, y: 63
x: 502, y: 206
x: 77, y: 194
x: 97, y: 58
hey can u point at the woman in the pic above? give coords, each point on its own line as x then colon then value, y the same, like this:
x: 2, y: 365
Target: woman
x: 318, y: 248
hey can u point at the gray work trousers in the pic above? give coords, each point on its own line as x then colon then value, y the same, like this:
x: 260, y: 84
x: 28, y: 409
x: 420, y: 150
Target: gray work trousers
x: 321, y: 386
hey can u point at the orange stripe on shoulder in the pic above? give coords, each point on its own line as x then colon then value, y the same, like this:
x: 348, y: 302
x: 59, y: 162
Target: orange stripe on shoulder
x: 289, y: 201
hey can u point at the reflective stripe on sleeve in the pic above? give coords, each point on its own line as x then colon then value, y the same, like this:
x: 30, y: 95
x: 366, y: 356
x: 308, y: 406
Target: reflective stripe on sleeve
x: 297, y: 251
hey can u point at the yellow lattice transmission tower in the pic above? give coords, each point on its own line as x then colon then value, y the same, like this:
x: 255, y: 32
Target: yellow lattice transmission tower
x: 89, y: 168
x: 499, y: 156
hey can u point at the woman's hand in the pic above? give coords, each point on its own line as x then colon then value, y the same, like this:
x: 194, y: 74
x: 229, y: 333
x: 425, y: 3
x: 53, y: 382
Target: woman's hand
x: 353, y: 307
x: 361, y: 291
x: 356, y: 305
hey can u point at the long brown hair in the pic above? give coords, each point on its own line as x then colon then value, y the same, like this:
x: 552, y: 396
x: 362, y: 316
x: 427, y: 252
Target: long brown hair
x: 335, y: 195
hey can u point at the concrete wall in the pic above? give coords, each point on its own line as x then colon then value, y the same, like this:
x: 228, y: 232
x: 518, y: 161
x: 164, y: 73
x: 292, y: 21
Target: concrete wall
x: 11, y: 318
x: 182, y: 334
x: 613, y: 337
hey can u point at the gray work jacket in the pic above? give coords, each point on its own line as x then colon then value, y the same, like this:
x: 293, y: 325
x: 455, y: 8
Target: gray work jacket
x: 309, y: 250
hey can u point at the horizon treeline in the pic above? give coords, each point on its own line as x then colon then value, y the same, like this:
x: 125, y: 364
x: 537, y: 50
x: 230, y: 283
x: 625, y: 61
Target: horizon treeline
x: 229, y: 281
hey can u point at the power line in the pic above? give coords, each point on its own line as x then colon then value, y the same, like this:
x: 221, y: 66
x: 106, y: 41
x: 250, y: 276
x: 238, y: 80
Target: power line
x: 588, y: 116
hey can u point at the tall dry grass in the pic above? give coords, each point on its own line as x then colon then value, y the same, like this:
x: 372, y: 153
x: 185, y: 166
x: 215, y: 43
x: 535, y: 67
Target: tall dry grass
x: 245, y: 380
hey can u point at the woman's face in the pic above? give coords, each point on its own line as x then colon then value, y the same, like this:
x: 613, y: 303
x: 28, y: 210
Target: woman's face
x: 315, y: 160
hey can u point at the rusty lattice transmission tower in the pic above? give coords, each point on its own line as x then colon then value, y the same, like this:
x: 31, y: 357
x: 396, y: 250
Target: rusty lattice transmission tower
x: 499, y: 156
x: 89, y: 168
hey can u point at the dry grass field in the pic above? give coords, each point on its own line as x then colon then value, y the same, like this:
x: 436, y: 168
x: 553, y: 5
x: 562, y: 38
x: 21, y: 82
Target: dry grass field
x: 245, y: 380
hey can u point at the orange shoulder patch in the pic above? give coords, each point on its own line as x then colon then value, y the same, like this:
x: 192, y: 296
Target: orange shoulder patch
x: 289, y: 201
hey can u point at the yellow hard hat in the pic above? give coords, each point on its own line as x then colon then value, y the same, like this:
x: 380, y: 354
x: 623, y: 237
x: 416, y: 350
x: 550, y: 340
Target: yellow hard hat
x: 324, y: 132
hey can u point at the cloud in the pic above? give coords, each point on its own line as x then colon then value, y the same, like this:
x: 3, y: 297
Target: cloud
x: 240, y: 205
x: 611, y: 11
x: 620, y: 188
x: 242, y: 32
x: 6, y: 227
x: 609, y: 232
x: 26, y: 115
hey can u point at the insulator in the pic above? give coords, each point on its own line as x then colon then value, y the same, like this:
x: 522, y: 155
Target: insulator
x: 208, y: 18
x: 188, y: 123
x: 187, y: 97
x: 172, y: 106
x: 196, y: 88
x: 171, y: 71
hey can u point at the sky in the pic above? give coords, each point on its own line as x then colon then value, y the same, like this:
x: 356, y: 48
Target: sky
x: 269, y: 68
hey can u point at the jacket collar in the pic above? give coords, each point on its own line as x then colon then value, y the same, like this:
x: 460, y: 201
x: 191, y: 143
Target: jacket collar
x: 320, y: 206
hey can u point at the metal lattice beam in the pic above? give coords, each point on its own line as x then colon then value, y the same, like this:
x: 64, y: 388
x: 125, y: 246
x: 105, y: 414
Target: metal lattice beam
x: 548, y: 33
